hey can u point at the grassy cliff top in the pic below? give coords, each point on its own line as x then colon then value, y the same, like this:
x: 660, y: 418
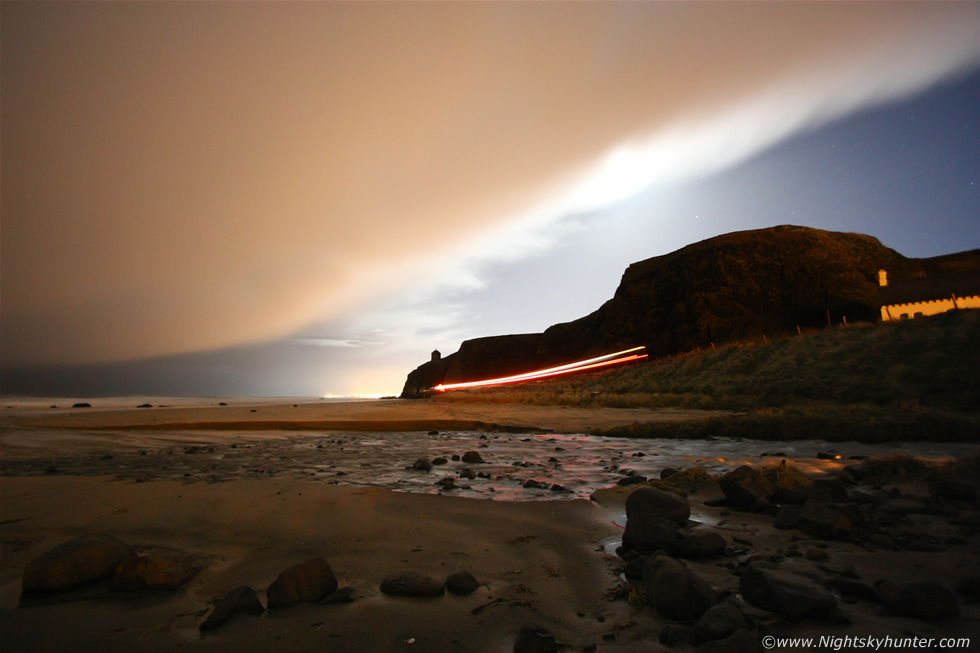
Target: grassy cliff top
x: 917, y: 379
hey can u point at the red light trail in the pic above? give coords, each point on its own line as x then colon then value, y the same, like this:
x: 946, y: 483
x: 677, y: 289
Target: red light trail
x: 616, y: 358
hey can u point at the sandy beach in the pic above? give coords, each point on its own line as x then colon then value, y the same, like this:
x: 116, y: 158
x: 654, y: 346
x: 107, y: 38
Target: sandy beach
x: 547, y: 559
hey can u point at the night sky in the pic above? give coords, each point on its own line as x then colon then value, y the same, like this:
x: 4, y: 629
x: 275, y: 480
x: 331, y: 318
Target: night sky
x: 307, y: 198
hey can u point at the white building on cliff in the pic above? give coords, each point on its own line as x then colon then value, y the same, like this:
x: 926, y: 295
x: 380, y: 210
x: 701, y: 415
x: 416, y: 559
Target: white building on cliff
x: 904, y: 300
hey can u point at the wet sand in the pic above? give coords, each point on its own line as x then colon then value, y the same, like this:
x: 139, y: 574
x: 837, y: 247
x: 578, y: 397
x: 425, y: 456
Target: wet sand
x: 313, y: 414
x: 249, y: 502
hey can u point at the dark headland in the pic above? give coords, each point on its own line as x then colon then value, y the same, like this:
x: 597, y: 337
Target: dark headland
x: 782, y: 326
x: 735, y: 287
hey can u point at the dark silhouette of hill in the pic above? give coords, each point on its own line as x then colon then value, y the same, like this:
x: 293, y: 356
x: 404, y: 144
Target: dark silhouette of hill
x: 732, y: 287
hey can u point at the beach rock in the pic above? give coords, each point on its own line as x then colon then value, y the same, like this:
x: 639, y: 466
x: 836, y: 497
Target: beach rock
x: 658, y: 502
x: 855, y: 589
x: 785, y: 593
x: 439, y: 461
x: 532, y: 484
x: 763, y: 507
x: 786, y: 478
x: 306, y: 582
x: 467, y: 473
x: 719, y: 621
x: 340, y: 595
x: 634, y: 566
x: 79, y: 561
x: 423, y: 465
x: 823, y: 521
x: 744, y: 486
x: 446, y: 483
x: 646, y: 532
x: 924, y: 543
x: 790, y: 496
x: 241, y: 599
x: 904, y: 506
x: 678, y: 635
x: 472, y: 457
x: 952, y: 489
x: 675, y: 591
x: 788, y: 517
x: 535, y: 639
x: 154, y: 571
x: 856, y: 473
x: 81, y: 404
x: 631, y: 480
x: 741, y: 641
x: 410, y: 583
x: 462, y: 583
x: 969, y: 588
x: 828, y: 490
x: 816, y: 554
x: 924, y: 599
x: 700, y: 545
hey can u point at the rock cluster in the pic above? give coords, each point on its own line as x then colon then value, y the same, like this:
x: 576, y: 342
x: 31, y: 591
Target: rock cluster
x: 79, y: 561
x: 658, y: 535
x: 96, y: 557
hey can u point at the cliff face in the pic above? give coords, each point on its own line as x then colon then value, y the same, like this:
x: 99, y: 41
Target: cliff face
x: 731, y: 287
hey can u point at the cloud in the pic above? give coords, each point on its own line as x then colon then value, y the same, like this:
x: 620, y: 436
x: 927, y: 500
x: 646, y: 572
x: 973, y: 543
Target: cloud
x: 186, y: 176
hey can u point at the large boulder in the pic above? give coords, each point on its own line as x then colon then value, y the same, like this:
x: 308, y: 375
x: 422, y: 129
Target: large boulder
x: 306, y: 582
x: 700, y: 545
x: 744, y: 486
x: 646, y: 532
x: 82, y: 560
x: 719, y: 622
x: 241, y: 599
x: 824, y: 521
x: 924, y: 599
x: 155, y: 571
x: 785, y: 593
x: 658, y: 502
x: 410, y: 583
x: 675, y: 591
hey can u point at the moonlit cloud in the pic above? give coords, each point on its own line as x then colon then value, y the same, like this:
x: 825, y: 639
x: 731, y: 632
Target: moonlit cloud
x: 179, y: 177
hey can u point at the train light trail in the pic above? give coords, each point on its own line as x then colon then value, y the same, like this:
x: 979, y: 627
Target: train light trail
x: 625, y: 356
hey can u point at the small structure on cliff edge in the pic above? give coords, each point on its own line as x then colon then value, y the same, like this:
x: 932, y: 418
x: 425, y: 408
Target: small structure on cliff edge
x: 436, y: 355
x: 929, y: 295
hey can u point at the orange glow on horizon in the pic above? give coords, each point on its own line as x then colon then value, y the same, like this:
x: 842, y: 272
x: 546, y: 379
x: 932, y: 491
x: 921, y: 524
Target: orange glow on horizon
x: 592, y: 363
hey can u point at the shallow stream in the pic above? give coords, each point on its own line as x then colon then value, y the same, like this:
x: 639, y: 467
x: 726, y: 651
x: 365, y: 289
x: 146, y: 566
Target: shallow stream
x: 578, y: 463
